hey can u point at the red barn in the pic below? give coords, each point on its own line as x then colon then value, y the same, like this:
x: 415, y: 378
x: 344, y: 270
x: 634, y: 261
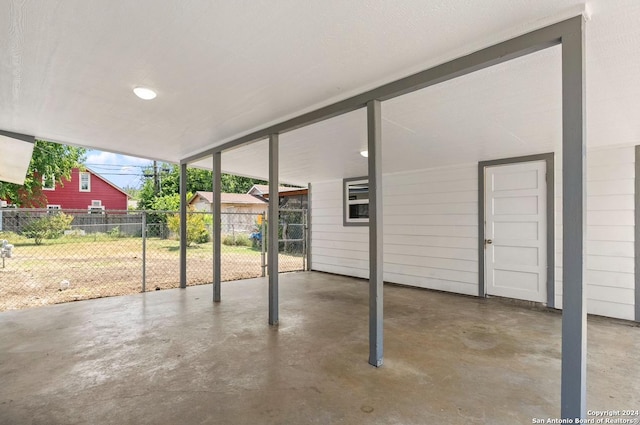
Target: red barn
x: 86, y: 190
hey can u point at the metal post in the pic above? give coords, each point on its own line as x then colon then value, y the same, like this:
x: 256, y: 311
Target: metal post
x: 574, y: 312
x: 309, y: 227
x: 183, y: 225
x: 263, y: 238
x: 272, y: 228
x: 304, y: 240
x: 144, y: 251
x: 217, y: 225
x: 374, y: 130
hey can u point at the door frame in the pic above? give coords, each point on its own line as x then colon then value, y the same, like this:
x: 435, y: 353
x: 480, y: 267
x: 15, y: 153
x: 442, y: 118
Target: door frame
x: 549, y: 158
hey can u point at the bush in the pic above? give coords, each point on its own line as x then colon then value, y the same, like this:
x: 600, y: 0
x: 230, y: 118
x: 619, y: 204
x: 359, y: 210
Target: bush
x: 196, y: 228
x: 115, y: 232
x: 240, y: 239
x: 49, y: 227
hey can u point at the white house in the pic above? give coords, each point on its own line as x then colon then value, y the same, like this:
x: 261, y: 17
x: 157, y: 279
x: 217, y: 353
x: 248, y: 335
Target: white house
x: 431, y: 237
x: 232, y: 202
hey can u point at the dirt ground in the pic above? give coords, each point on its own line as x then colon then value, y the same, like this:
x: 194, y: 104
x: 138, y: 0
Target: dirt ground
x: 61, y: 272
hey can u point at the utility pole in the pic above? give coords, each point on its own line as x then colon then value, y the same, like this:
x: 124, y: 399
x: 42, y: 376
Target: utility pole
x: 156, y: 179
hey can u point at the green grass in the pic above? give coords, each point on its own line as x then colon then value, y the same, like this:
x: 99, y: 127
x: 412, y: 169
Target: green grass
x: 168, y: 245
x: 20, y: 240
x: 102, y: 265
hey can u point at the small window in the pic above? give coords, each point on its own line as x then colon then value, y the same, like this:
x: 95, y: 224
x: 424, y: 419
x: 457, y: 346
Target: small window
x: 48, y: 182
x: 85, y: 182
x: 97, y: 203
x: 356, y: 201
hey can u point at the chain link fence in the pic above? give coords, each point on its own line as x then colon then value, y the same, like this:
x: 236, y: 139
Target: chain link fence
x: 59, y: 256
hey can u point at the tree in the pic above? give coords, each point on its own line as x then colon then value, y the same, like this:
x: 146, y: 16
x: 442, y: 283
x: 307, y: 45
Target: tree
x: 197, y: 180
x: 51, y: 160
x: 238, y: 184
x: 48, y: 227
x: 167, y: 202
x: 134, y: 192
x: 196, y: 226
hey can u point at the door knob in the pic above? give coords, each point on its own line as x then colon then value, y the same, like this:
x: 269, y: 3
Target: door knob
x: 488, y: 241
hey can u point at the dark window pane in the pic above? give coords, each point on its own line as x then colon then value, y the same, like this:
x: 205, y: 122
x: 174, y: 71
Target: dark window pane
x: 359, y: 211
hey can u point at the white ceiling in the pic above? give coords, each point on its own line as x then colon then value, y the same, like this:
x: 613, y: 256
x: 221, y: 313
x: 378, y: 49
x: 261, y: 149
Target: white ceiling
x: 508, y: 110
x: 222, y: 69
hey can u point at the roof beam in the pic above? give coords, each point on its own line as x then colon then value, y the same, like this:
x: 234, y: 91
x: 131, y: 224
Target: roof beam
x: 522, y: 45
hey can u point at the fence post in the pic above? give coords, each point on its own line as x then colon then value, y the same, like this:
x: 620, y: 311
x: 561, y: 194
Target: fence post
x: 304, y: 240
x: 144, y: 251
x: 263, y: 264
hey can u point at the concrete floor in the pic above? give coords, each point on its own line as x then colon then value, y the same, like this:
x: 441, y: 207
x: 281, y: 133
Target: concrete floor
x: 172, y: 357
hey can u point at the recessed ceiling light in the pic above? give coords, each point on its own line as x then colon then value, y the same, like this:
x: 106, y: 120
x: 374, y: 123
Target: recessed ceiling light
x: 365, y: 154
x: 144, y: 93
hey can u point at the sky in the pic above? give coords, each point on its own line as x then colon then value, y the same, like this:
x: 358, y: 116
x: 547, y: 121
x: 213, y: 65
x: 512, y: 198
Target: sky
x: 123, y: 171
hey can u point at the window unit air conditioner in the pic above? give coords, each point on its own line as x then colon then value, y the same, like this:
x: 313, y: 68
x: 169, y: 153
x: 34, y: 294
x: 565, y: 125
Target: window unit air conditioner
x: 96, y: 210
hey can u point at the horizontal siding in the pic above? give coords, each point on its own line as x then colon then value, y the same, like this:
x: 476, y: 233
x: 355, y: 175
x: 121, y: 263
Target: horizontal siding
x: 609, y: 309
x: 610, y: 262
x: 431, y: 283
x: 610, y: 233
x: 334, y: 247
x: 609, y: 276
x: 430, y: 231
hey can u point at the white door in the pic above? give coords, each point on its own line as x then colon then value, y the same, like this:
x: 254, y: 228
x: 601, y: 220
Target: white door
x: 516, y: 231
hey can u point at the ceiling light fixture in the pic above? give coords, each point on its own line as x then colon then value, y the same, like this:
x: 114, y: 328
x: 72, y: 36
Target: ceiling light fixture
x: 365, y: 154
x: 144, y: 93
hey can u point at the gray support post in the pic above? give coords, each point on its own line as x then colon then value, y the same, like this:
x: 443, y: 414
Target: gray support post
x: 374, y: 132
x: 574, y: 313
x: 144, y: 251
x: 309, y: 227
x: 217, y: 225
x: 272, y: 228
x: 183, y: 225
x: 637, y: 235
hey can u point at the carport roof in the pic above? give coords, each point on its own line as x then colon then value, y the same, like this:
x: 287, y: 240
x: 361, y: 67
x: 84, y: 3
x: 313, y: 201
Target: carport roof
x: 224, y: 69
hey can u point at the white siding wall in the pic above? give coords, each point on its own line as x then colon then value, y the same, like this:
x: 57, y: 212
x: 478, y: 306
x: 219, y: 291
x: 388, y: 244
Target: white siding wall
x: 335, y: 248
x: 430, y: 231
x: 610, y: 232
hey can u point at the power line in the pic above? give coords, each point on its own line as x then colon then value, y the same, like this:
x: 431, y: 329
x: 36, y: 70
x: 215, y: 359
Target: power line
x: 93, y: 164
x: 119, y: 174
